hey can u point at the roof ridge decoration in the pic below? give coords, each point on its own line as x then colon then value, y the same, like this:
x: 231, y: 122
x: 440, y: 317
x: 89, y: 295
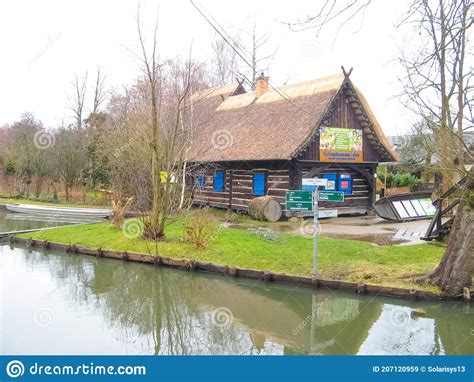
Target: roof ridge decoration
x: 271, y: 128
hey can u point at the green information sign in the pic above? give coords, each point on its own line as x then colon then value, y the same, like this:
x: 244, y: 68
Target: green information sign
x: 297, y: 200
x: 331, y: 196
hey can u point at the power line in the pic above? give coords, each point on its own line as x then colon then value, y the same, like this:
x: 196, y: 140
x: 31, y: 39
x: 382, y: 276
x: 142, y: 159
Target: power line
x: 226, y: 39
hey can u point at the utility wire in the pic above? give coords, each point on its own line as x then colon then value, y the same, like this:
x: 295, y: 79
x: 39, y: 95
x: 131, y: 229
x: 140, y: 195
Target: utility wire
x: 226, y: 39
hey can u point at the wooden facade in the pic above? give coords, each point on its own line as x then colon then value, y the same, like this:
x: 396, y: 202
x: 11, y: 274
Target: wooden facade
x: 345, y: 109
x: 238, y: 189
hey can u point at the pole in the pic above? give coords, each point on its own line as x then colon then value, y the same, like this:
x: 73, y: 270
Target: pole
x: 315, y: 233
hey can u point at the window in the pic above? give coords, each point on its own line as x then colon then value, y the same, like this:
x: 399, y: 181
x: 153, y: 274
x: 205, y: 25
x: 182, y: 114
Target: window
x: 201, y: 181
x: 219, y: 181
x: 259, y: 183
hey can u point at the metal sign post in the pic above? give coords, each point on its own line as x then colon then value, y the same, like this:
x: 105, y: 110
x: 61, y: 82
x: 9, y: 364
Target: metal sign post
x: 315, y: 183
x: 315, y: 233
x: 304, y: 200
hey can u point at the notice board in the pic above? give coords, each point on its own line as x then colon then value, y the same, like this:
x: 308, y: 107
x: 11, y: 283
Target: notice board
x: 338, y: 144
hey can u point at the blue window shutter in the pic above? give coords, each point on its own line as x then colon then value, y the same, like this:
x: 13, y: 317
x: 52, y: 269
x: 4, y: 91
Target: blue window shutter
x: 201, y: 180
x: 219, y: 181
x: 259, y: 183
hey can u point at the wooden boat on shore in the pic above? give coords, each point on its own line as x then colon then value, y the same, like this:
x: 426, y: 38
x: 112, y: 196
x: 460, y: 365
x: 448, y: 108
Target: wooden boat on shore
x: 406, y: 207
x: 60, y: 212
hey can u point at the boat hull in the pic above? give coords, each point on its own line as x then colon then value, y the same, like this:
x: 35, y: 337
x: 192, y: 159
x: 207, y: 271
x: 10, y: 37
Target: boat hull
x: 404, y: 207
x: 87, y: 213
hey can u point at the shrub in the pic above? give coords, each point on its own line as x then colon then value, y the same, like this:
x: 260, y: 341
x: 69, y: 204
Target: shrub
x: 399, y: 179
x: 9, y: 166
x: 200, y: 227
x: 404, y: 180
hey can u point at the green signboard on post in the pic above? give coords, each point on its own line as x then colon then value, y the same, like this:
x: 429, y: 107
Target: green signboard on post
x: 331, y: 196
x: 297, y: 200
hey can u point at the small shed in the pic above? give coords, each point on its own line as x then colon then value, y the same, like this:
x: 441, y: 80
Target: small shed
x: 264, y: 142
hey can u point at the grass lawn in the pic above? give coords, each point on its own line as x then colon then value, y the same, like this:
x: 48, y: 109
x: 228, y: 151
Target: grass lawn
x: 349, y: 260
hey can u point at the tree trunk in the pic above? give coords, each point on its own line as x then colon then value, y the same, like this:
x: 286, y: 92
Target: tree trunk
x: 457, y: 265
x: 38, y: 186
x: 183, y: 187
x: 68, y: 196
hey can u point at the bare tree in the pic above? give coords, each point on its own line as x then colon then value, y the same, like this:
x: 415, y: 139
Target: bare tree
x: 257, y: 48
x: 438, y: 88
x: 167, y: 86
x: 77, y: 100
x: 224, y: 62
x: 99, y: 92
x: 70, y: 156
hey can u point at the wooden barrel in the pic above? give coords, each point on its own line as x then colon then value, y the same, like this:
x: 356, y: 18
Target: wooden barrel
x: 265, y: 208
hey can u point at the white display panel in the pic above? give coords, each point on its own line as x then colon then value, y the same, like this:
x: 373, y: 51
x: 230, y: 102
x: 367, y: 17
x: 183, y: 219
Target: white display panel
x: 418, y: 207
x: 401, y: 210
x: 411, y: 211
x: 427, y: 205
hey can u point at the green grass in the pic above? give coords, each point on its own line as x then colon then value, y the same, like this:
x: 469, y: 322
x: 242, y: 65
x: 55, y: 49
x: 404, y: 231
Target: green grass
x: 348, y: 260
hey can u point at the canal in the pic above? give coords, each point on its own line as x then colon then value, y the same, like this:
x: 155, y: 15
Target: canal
x: 57, y: 303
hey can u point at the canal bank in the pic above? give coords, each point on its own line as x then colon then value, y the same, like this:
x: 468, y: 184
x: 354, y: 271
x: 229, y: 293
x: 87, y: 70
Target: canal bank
x: 194, y: 265
x: 94, y: 305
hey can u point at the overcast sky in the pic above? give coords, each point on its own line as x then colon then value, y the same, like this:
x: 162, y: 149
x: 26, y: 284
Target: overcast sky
x: 45, y: 43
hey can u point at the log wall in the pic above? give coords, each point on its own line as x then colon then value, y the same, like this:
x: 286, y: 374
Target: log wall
x: 362, y: 185
x: 238, y: 190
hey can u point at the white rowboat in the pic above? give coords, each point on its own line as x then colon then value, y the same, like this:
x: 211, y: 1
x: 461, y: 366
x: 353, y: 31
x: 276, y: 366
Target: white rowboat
x: 60, y: 212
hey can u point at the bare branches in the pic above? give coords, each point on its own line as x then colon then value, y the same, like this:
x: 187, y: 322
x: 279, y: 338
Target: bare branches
x: 332, y: 11
x: 77, y: 101
x: 224, y: 62
x: 99, y: 92
x: 436, y: 83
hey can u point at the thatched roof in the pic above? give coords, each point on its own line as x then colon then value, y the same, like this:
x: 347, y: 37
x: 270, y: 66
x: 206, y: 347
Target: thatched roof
x: 274, y: 126
x: 202, y: 105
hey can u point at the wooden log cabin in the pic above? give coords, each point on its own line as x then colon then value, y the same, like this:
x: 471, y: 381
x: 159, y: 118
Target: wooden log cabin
x: 266, y: 141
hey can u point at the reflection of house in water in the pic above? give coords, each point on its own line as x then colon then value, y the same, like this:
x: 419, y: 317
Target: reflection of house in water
x: 298, y: 320
x: 395, y: 332
x: 165, y: 311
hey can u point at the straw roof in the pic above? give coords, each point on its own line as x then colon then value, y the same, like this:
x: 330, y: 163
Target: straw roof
x: 202, y: 104
x: 274, y: 126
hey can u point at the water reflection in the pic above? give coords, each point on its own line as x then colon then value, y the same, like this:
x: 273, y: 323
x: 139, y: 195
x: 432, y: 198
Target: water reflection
x: 10, y: 222
x: 103, y: 306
